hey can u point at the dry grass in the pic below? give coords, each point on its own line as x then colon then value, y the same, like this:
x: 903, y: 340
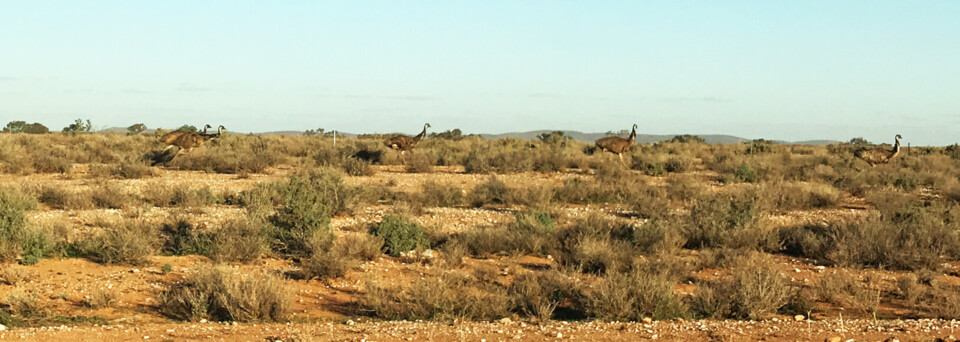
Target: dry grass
x: 13, y: 275
x: 219, y: 294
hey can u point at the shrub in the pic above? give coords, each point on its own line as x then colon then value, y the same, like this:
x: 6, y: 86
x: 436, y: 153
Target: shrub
x: 913, y: 237
x: 309, y: 201
x: 100, y: 298
x: 759, y: 288
x: 61, y: 198
x: 438, y: 195
x: 110, y: 196
x: 797, y: 196
x: 400, y: 235
x: 219, y: 294
x: 728, y: 220
x: 13, y: 275
x: 493, y: 191
x: 327, y: 264
x: 126, y: 243
x: 183, y: 238
x: 357, y: 167
x: 633, y: 295
x: 845, y: 288
x: 363, y: 247
x: 746, y: 174
x: 242, y: 239
x: 754, y: 290
x: 539, y: 294
x: 597, y: 244
x: 531, y: 233
x: 419, y: 163
x: 450, y: 296
x: 17, y: 237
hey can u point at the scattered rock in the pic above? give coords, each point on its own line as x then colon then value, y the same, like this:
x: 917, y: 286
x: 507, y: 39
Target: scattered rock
x: 506, y: 320
x: 647, y: 320
x: 798, y: 318
x: 833, y: 339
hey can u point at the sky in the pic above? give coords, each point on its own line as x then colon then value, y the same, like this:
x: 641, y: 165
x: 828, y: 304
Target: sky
x: 793, y: 71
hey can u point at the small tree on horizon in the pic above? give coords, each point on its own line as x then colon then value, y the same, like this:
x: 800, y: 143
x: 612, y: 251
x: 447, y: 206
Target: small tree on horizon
x: 78, y: 126
x: 136, y: 129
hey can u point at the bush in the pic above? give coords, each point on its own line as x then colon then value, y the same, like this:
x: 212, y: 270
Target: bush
x: 419, y: 163
x: 634, y: 295
x: 110, y: 196
x: 531, y: 233
x: 450, y: 296
x: 754, y: 290
x: 727, y: 220
x: 438, y: 195
x: 356, y: 167
x: 126, y: 243
x: 746, y: 174
x: 219, y: 294
x: 798, y: 196
x: 17, y: 237
x: 912, y: 238
x: 597, y: 244
x: 183, y: 238
x: 540, y: 294
x: 400, y: 235
x: 242, y: 239
x: 60, y: 198
x: 309, y: 201
x: 493, y: 191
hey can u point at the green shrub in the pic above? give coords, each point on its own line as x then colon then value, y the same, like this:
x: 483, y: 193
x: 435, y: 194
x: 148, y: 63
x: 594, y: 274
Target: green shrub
x: 183, y: 238
x: 308, y: 203
x: 17, y: 237
x: 746, y: 174
x: 400, y: 235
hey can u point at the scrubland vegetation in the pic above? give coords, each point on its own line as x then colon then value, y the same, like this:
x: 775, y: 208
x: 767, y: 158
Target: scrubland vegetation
x: 682, y: 230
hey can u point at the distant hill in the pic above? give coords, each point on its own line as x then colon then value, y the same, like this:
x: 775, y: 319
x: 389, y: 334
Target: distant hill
x: 529, y: 135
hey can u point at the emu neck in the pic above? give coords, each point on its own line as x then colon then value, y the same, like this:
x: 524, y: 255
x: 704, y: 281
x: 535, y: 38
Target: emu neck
x: 633, y: 135
x: 896, y: 147
x: 421, y: 135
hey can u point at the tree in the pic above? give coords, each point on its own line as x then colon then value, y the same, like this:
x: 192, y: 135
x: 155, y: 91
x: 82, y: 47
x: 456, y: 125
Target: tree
x: 188, y: 128
x: 454, y: 134
x: 859, y: 141
x: 555, y: 137
x: 78, y: 127
x: 687, y: 138
x: 36, y: 128
x: 312, y: 132
x: 15, y: 127
x: 136, y: 129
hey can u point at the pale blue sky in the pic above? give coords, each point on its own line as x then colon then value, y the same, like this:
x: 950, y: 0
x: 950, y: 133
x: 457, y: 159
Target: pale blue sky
x: 757, y: 69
